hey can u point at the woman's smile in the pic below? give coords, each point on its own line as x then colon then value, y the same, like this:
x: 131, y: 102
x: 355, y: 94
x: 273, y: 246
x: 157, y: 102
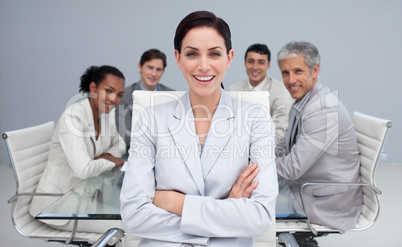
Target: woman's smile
x: 204, y: 80
x: 204, y: 60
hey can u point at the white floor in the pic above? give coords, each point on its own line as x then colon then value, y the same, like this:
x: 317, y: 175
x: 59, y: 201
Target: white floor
x: 384, y: 232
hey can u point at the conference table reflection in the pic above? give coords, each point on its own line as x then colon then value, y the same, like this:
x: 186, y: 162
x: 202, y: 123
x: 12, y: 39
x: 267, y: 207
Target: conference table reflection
x: 97, y: 198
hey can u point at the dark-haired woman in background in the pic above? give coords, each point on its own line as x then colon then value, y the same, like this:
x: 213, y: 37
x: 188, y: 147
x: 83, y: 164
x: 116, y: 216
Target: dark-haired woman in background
x: 85, y: 143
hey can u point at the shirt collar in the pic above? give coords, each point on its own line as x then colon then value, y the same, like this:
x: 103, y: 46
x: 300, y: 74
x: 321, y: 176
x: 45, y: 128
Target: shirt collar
x: 259, y: 87
x: 146, y: 89
x: 299, y: 105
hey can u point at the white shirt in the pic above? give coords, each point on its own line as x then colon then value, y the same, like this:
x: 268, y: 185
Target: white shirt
x: 259, y: 87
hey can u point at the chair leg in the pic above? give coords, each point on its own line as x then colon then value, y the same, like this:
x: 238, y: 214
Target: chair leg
x: 73, y: 232
x: 288, y: 239
x: 112, y: 236
x: 312, y: 229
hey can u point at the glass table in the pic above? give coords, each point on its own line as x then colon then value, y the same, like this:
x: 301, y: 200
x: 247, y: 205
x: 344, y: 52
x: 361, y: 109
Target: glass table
x: 99, y: 198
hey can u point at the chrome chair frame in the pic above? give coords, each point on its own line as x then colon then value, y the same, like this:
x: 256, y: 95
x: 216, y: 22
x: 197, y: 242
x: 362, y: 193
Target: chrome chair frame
x: 368, y: 181
x: 111, y: 237
x: 142, y: 99
x: 23, y: 222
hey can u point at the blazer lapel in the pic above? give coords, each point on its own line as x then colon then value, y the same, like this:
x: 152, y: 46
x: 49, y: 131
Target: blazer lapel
x: 268, y: 84
x: 223, y: 125
x: 245, y: 86
x: 182, y: 129
x: 90, y: 125
x: 136, y: 86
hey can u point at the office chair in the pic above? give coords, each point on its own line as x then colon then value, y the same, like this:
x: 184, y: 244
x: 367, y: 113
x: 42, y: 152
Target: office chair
x: 28, y: 149
x: 371, y: 133
x: 143, y: 99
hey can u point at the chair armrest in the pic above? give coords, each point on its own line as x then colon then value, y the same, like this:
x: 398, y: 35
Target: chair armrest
x: 313, y: 230
x: 110, y: 237
x: 288, y: 239
x: 12, y: 199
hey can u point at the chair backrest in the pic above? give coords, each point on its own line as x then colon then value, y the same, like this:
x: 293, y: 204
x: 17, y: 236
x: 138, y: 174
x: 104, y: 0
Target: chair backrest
x: 371, y: 133
x: 28, y: 150
x: 142, y: 99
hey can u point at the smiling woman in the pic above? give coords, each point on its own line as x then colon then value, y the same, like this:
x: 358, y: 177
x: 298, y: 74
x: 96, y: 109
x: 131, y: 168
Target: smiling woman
x: 85, y: 143
x: 204, y: 60
x: 105, y: 86
x: 200, y: 197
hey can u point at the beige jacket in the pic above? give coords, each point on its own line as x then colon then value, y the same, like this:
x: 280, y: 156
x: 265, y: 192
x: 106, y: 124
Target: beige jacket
x: 280, y: 102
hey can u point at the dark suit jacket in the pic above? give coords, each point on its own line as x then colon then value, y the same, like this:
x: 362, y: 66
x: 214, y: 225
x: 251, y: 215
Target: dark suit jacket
x: 124, y: 110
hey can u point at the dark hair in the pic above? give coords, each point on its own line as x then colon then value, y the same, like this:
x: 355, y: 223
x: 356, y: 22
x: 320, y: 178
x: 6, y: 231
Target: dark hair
x: 202, y: 19
x: 97, y: 74
x: 153, y: 54
x: 258, y: 48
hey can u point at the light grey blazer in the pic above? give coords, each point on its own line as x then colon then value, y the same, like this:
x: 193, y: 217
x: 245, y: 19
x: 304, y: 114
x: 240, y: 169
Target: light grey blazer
x: 72, y: 153
x: 165, y: 156
x: 124, y: 111
x: 280, y: 102
x: 325, y: 151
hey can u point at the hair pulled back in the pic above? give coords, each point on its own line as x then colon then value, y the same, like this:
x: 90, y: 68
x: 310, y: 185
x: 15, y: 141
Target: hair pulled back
x: 202, y: 19
x: 97, y: 74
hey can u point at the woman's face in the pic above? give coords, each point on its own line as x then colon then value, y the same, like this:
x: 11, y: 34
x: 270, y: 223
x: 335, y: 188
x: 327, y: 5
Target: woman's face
x: 107, y: 95
x: 203, y: 60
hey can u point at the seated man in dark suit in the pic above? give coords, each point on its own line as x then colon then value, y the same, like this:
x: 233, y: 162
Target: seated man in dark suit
x: 151, y: 67
x: 320, y: 143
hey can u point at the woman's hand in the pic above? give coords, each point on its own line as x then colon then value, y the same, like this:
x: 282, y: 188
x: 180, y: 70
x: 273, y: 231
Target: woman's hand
x: 108, y: 156
x: 171, y: 201
x: 244, y: 185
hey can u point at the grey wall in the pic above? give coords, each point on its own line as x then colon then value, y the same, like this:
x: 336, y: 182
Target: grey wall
x: 46, y: 45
